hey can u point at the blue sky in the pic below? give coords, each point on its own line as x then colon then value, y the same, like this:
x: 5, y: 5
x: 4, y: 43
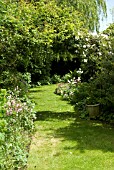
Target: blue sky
x: 104, y: 24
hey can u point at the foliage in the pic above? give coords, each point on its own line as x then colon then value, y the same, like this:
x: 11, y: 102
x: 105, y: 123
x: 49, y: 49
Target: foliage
x: 32, y: 32
x: 55, y: 79
x: 87, y: 50
x: 16, y: 125
x: 75, y: 92
x: 72, y: 75
x: 66, y: 90
x: 27, y: 34
x: 105, y: 80
x: 110, y: 30
x: 99, y: 88
x: 35, y: 33
x: 10, y: 80
x: 69, y: 76
x: 89, y: 10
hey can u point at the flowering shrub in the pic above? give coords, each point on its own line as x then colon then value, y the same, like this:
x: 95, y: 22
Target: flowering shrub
x: 66, y: 90
x: 16, y: 121
x: 105, y: 80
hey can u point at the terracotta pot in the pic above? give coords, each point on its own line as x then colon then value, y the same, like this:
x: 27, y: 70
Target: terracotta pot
x: 93, y: 110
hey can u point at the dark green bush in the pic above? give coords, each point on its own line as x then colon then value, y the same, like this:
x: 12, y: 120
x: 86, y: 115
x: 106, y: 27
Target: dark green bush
x: 10, y: 80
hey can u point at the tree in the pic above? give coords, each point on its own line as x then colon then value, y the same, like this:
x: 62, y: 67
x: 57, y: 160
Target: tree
x: 27, y: 34
x: 90, y: 10
x: 32, y: 32
x: 110, y: 30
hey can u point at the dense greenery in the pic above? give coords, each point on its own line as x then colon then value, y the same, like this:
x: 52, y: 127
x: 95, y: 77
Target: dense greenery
x: 32, y: 34
x: 99, y: 87
x: 16, y: 126
x: 27, y: 36
x: 110, y: 30
x: 90, y: 11
x: 35, y: 36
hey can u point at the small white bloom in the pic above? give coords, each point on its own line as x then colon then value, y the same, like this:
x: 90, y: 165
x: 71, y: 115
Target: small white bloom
x: 100, y: 53
x: 79, y: 79
x: 85, y: 60
x: 84, y: 46
x: 86, y: 39
x: 104, y: 45
x: 93, y: 45
x: 68, y: 81
x: 104, y: 35
x: 76, y: 38
x: 79, y: 33
x: 79, y: 71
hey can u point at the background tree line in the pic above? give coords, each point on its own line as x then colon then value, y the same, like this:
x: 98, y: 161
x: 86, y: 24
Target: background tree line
x: 34, y: 33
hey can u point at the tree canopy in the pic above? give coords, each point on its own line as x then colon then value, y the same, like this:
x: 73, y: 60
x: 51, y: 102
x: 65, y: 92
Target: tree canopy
x: 90, y: 10
x: 33, y: 32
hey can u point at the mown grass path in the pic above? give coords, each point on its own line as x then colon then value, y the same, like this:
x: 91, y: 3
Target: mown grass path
x: 64, y: 142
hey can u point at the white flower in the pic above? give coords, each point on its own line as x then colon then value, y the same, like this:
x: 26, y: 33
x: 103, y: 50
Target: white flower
x: 85, y: 60
x: 79, y: 71
x: 104, y: 35
x: 110, y: 53
x: 100, y: 53
x: 76, y: 38
x: 93, y: 45
x: 86, y: 39
x: 68, y: 81
x: 79, y: 33
x: 84, y: 46
x: 79, y: 79
x: 104, y: 45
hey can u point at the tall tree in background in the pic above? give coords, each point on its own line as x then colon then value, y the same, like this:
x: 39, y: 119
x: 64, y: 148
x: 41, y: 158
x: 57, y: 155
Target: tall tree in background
x: 32, y: 31
x: 91, y: 10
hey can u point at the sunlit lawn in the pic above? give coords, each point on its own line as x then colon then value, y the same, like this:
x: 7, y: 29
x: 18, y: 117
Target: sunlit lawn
x: 64, y: 142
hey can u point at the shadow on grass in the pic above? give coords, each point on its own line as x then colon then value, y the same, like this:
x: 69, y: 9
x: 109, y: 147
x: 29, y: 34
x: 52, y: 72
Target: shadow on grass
x: 35, y: 90
x: 88, y: 135
x: 85, y: 134
x: 45, y: 115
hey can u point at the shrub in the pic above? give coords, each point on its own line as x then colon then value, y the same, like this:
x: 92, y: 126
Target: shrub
x: 105, y: 79
x: 10, y: 80
x: 56, y: 79
x: 16, y: 122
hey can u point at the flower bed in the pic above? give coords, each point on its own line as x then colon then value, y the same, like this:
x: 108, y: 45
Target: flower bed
x: 16, y: 125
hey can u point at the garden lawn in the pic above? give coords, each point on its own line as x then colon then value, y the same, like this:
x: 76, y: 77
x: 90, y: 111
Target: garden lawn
x: 62, y: 141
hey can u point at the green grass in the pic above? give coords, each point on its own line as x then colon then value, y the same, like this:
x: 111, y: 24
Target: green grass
x: 64, y: 142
